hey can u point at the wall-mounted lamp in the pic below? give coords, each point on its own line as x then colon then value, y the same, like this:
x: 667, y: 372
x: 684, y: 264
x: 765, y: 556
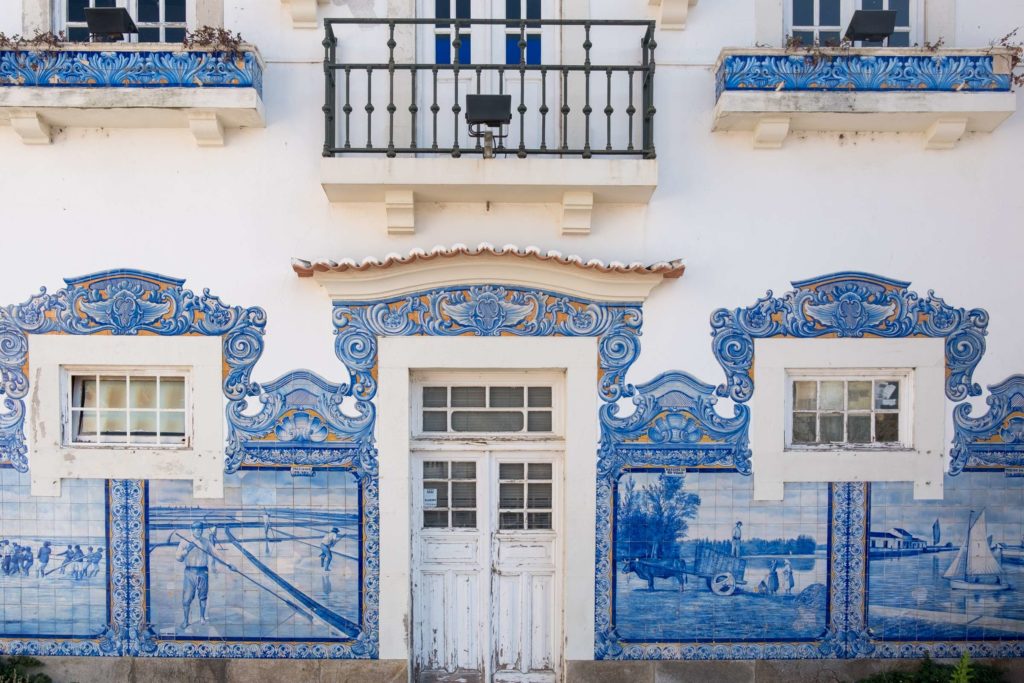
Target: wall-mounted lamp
x: 486, y: 112
x: 871, y: 25
x: 109, y: 24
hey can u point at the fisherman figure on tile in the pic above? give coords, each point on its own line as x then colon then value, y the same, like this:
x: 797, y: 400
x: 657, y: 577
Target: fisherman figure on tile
x: 326, y: 554
x: 737, y: 536
x: 196, y: 553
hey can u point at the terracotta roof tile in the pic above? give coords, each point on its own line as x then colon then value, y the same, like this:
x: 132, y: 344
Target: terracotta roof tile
x: 667, y: 269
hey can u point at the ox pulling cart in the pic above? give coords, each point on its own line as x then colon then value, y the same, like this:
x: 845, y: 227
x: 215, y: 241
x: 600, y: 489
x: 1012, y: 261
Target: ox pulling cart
x: 723, y: 573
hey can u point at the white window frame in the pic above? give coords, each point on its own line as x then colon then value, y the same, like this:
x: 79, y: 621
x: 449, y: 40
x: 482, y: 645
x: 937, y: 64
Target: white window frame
x: 165, y: 372
x: 60, y: 18
x: 774, y: 464
x: 51, y: 357
x: 551, y: 379
x: 847, y: 7
x: 904, y: 376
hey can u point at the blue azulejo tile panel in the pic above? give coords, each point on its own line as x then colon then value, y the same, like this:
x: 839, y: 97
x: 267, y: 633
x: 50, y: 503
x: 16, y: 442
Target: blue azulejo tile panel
x: 277, y: 559
x: 696, y: 559
x: 947, y: 570
x: 53, y: 560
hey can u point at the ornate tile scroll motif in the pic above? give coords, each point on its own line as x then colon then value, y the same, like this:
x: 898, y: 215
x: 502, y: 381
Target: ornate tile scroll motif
x: 995, y: 438
x: 848, y: 72
x: 120, y: 302
x: 847, y: 635
x: 851, y: 305
x: 129, y: 69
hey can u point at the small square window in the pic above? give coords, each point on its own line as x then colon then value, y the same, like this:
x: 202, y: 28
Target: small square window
x: 129, y: 409
x: 845, y: 412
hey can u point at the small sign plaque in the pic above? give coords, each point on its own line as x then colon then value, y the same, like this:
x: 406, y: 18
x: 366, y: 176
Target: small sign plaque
x: 429, y: 498
x: 302, y: 471
x: 1015, y: 472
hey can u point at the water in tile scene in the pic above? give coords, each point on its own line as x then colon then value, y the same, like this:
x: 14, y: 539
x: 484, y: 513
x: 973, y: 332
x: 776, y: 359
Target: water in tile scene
x: 697, y: 559
x: 278, y: 557
x: 950, y: 569
x: 53, y: 558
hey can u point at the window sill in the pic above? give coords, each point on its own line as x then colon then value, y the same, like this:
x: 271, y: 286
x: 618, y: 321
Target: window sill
x: 131, y: 85
x: 576, y: 184
x: 774, y: 92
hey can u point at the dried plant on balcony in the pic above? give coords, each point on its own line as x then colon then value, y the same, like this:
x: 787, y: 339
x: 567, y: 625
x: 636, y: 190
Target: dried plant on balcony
x: 1012, y: 45
x: 215, y: 39
x: 815, y: 53
x: 40, y: 42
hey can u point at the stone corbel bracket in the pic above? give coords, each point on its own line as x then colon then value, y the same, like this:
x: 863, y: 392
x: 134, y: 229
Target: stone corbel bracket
x: 303, y: 12
x: 672, y: 14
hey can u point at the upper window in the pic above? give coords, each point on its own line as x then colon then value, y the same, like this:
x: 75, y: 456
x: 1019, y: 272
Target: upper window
x: 478, y: 409
x: 158, y: 21
x: 857, y: 411
x: 513, y: 33
x: 824, y: 22
x: 127, y: 409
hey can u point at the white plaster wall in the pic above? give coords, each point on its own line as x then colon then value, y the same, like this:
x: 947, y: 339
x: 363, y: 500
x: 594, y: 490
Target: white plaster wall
x: 747, y: 220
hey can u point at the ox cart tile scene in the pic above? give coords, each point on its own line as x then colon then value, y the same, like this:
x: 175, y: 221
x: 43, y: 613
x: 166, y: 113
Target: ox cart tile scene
x: 697, y: 559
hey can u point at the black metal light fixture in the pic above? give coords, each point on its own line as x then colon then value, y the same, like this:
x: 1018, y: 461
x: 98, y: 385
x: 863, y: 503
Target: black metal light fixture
x: 109, y: 24
x: 486, y: 112
x: 871, y: 25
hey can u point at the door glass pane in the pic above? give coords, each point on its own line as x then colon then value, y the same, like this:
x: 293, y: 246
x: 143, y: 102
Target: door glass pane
x: 174, y: 11
x: 464, y: 519
x: 434, y: 421
x: 435, y: 397
x: 463, y: 470
x: 512, y: 9
x: 149, y: 10
x: 829, y: 13
x: 539, y: 520
x: 511, y: 496
x: 78, y: 34
x: 506, y: 397
x: 487, y: 422
x: 435, y: 519
x: 871, y: 4
x: 539, y: 421
x: 828, y: 38
x: 105, y: 3
x: 803, y: 12
x: 510, y: 520
x: 440, y: 490
x: 538, y: 496
x: 149, y: 35
x: 442, y: 49
x: 76, y: 9
x: 462, y: 9
x: 533, y: 49
x: 899, y: 40
x: 902, y: 9
x: 805, y: 38
x: 805, y: 395
x: 435, y: 470
x: 469, y: 397
x: 464, y: 494
x: 533, y: 9
x: 510, y: 470
x: 540, y: 470
x: 540, y: 397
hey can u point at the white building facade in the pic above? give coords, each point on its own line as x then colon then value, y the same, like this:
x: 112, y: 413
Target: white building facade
x: 275, y: 389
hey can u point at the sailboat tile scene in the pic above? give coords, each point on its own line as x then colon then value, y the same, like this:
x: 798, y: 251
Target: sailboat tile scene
x: 948, y: 570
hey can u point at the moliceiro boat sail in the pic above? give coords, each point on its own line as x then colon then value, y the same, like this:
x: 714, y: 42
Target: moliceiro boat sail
x: 975, y: 567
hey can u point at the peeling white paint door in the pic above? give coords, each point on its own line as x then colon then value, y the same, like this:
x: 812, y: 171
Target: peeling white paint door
x: 486, y: 599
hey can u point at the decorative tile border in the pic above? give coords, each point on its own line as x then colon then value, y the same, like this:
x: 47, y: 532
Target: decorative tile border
x: 837, y: 70
x: 130, y: 69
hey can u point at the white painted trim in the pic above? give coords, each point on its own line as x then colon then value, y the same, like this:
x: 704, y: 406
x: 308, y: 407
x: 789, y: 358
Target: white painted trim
x: 50, y: 461
x: 397, y: 280
x: 398, y: 357
x: 774, y: 465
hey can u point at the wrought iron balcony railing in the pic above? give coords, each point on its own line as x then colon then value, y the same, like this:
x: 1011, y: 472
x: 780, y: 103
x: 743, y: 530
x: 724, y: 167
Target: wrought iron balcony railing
x: 580, y: 88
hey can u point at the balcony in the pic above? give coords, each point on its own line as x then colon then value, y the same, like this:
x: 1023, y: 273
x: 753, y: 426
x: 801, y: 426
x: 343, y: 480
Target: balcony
x: 582, y: 102
x: 940, y: 94
x: 130, y: 85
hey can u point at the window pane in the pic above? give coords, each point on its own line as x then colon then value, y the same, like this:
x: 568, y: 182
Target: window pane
x: 84, y: 424
x: 113, y: 423
x: 174, y: 35
x: 77, y: 34
x: 435, y: 470
x: 533, y: 49
x: 859, y: 427
x: 105, y: 3
x: 805, y: 428
x: 902, y: 9
x: 832, y: 428
x: 510, y: 470
x: 442, y: 492
x: 538, y: 496
x: 143, y: 422
x: 464, y: 494
x: 805, y: 38
x: 540, y: 470
x: 435, y: 519
x: 805, y: 395
x: 172, y: 393
x: 829, y: 38
x: 539, y: 520
x: 442, y: 49
x: 539, y: 421
x: 435, y: 397
x: 149, y: 35
x: 511, y: 496
x: 468, y: 397
x: 506, y: 397
x: 487, y: 422
x: 510, y: 520
x: 899, y: 40
x: 463, y: 470
x: 832, y: 395
x: 887, y: 427
x: 533, y: 9
x: 512, y: 9
x: 113, y: 392
x: 172, y: 425
x: 464, y: 519
x: 83, y: 394
x: 174, y: 11
x: 871, y: 4
x: 540, y: 397
x: 858, y: 395
x: 512, y: 53
x: 887, y: 395
x: 466, y: 49
x: 76, y: 9
x: 462, y: 9
x: 828, y: 13
x: 803, y: 12
x: 434, y: 421
x: 142, y: 393
x: 149, y: 10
